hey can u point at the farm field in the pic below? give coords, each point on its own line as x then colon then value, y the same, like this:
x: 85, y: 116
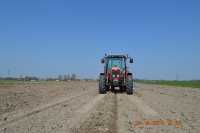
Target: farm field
x: 76, y: 107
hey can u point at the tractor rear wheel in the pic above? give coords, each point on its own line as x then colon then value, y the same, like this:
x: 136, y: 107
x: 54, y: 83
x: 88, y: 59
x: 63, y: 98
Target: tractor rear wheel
x: 129, y: 85
x: 102, y: 85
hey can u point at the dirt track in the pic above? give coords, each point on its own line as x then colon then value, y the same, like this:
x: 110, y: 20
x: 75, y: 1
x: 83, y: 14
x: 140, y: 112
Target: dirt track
x: 76, y: 107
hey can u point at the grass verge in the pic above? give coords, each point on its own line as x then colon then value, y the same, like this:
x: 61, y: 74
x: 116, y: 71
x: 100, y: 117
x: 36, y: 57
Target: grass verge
x: 16, y: 82
x: 190, y: 83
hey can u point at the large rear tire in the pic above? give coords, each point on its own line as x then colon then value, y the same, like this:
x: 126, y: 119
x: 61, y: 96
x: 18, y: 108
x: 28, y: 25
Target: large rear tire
x: 102, y: 84
x: 129, y: 85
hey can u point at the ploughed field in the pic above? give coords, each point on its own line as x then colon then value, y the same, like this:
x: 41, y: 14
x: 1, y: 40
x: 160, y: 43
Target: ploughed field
x: 76, y: 107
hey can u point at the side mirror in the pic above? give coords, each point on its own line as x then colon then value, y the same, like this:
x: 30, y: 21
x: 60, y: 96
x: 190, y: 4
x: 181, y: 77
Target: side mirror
x: 102, y: 61
x: 131, y: 60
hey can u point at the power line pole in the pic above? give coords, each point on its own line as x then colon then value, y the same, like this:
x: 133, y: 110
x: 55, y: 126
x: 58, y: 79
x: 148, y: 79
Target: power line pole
x: 8, y: 73
x: 177, y: 77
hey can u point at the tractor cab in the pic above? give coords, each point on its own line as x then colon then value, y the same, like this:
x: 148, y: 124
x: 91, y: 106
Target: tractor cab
x: 116, y: 63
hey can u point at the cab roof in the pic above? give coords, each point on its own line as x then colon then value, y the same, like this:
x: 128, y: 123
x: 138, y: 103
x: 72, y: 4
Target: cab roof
x: 116, y: 56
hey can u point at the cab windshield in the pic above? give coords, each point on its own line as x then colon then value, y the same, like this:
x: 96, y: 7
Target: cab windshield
x: 116, y: 62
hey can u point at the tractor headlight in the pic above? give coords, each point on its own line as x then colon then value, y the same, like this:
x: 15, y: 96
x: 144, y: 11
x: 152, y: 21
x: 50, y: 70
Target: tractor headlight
x: 118, y: 75
x: 113, y: 76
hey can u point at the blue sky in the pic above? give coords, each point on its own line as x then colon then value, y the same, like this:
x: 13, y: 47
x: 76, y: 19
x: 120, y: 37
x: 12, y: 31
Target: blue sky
x: 46, y: 38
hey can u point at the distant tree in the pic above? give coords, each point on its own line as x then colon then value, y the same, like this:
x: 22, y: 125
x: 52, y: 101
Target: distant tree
x: 60, y: 77
x: 29, y: 78
x: 66, y: 77
x: 21, y: 77
x: 73, y: 77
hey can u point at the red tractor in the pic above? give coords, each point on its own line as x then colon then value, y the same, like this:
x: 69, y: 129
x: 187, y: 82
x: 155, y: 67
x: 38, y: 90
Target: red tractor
x: 116, y: 74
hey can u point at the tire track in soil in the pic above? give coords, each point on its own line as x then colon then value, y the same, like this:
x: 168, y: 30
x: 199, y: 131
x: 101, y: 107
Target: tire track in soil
x: 60, y: 114
x: 24, y: 113
x: 102, y: 118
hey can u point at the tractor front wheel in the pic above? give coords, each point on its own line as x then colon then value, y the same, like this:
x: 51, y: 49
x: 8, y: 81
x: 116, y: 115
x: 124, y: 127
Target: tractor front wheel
x: 129, y: 85
x: 102, y: 85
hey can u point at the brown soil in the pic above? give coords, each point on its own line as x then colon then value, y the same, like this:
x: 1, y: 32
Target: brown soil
x: 76, y: 107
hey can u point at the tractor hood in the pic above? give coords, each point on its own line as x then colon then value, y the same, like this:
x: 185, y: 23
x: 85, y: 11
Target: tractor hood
x: 116, y: 73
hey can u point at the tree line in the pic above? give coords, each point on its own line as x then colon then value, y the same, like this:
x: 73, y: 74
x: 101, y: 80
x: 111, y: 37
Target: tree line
x: 64, y: 77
